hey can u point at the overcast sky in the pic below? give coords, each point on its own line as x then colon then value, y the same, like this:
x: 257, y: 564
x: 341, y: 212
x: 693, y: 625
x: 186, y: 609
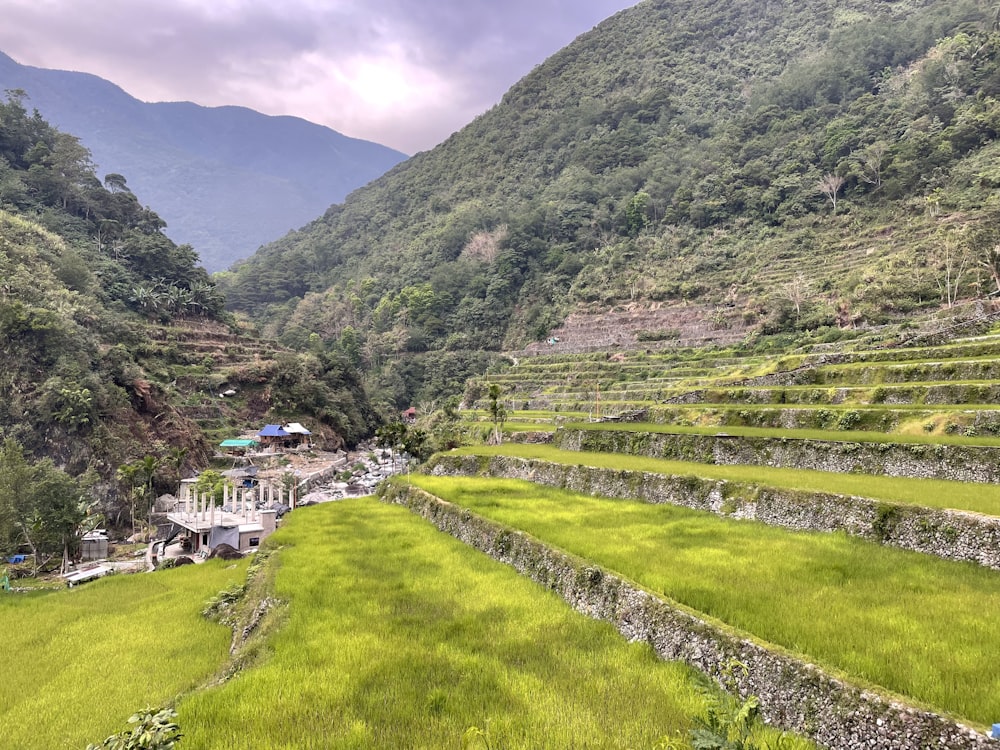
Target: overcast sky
x: 404, y: 73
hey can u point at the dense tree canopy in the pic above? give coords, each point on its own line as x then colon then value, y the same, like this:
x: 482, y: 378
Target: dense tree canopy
x: 676, y: 152
x: 92, y: 298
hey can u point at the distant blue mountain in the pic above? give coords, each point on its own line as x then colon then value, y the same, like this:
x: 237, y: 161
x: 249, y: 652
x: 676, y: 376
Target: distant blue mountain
x: 225, y: 179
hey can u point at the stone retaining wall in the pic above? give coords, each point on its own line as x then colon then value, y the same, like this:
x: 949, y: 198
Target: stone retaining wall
x: 793, y: 695
x: 949, y: 534
x: 962, y: 463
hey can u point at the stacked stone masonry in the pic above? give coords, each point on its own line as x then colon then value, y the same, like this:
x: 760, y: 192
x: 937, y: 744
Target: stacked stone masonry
x: 794, y: 695
x: 961, y: 463
x: 953, y: 535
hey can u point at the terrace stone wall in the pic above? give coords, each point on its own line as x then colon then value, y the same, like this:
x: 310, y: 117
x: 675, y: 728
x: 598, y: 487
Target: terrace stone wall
x: 963, y: 463
x: 793, y: 695
x: 880, y: 419
x: 953, y: 535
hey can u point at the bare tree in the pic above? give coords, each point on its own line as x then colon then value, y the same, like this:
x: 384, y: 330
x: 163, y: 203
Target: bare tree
x: 954, y: 262
x: 990, y: 260
x: 830, y: 185
x: 797, y: 291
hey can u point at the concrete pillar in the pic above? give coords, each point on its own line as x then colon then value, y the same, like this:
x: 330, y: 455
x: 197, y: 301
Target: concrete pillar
x: 268, y: 520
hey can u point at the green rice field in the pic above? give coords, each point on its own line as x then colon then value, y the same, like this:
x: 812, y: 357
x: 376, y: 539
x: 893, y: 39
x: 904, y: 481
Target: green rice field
x: 915, y: 625
x: 933, y: 493
x: 78, y: 662
x: 399, y: 636
x: 843, y: 436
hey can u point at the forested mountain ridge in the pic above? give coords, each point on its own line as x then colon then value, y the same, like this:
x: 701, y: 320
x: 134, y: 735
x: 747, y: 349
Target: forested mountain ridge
x: 784, y: 164
x: 225, y: 179
x: 115, y: 344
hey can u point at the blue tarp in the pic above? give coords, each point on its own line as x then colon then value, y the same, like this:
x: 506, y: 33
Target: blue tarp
x: 272, y: 430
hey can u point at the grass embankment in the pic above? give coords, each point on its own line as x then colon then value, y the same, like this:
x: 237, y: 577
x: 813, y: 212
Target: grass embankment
x: 401, y: 637
x: 913, y: 624
x: 931, y: 493
x: 841, y: 436
x: 77, y: 663
x: 518, y: 424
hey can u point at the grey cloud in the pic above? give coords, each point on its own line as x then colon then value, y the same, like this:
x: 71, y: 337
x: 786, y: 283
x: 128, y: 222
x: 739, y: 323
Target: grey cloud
x: 177, y: 49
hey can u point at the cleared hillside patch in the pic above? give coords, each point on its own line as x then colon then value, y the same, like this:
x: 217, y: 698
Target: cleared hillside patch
x: 912, y: 624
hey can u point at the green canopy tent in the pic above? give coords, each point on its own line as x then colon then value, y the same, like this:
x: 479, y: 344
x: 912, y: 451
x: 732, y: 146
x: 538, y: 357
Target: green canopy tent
x: 238, y: 446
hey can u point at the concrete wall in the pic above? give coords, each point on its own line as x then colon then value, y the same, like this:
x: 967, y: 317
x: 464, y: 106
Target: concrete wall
x: 794, y: 695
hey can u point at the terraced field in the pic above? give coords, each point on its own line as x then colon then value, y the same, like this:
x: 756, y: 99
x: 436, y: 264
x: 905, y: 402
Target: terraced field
x: 886, y: 445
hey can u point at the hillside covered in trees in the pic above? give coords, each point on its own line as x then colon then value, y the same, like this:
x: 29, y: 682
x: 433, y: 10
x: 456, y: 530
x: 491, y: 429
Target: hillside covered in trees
x: 225, y: 179
x: 116, y: 344
x: 785, y: 165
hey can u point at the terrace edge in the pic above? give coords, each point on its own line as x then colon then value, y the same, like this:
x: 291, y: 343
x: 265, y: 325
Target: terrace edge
x: 794, y: 695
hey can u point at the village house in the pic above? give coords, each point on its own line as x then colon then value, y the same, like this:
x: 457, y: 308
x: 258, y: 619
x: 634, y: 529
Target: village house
x: 246, y: 517
x: 275, y: 438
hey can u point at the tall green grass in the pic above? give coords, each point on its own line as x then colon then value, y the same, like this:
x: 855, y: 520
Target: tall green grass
x: 840, y: 436
x: 399, y: 636
x: 914, y: 624
x: 77, y: 663
x: 932, y: 493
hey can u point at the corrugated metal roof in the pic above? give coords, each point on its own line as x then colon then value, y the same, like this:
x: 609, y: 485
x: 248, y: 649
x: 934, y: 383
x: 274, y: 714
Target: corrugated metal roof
x: 233, y: 443
x: 272, y: 430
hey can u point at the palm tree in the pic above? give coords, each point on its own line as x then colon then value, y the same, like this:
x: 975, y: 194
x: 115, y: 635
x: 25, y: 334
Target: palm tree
x: 148, y: 467
x: 128, y: 474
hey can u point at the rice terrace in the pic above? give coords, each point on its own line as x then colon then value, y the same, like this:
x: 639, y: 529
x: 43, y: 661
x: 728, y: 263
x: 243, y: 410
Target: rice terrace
x: 359, y: 625
x: 656, y: 408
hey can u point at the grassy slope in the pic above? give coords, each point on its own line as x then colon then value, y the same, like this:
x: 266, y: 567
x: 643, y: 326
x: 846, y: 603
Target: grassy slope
x: 916, y: 625
x: 841, y: 436
x: 77, y: 663
x: 399, y: 636
x: 978, y: 498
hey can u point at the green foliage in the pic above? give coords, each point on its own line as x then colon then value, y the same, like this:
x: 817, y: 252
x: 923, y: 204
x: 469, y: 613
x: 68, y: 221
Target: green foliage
x: 153, y: 729
x: 731, y: 724
x: 75, y: 256
x: 48, y: 174
x: 42, y: 508
x: 672, y: 154
x: 498, y: 411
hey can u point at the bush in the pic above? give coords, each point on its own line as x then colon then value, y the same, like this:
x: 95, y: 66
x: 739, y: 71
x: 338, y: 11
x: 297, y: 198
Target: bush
x: 154, y: 729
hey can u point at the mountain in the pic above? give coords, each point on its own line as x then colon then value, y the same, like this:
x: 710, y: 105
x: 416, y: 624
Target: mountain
x: 115, y: 344
x: 741, y: 167
x: 225, y: 179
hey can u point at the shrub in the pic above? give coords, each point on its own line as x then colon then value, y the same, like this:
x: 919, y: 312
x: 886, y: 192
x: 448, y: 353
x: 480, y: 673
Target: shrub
x: 154, y: 729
